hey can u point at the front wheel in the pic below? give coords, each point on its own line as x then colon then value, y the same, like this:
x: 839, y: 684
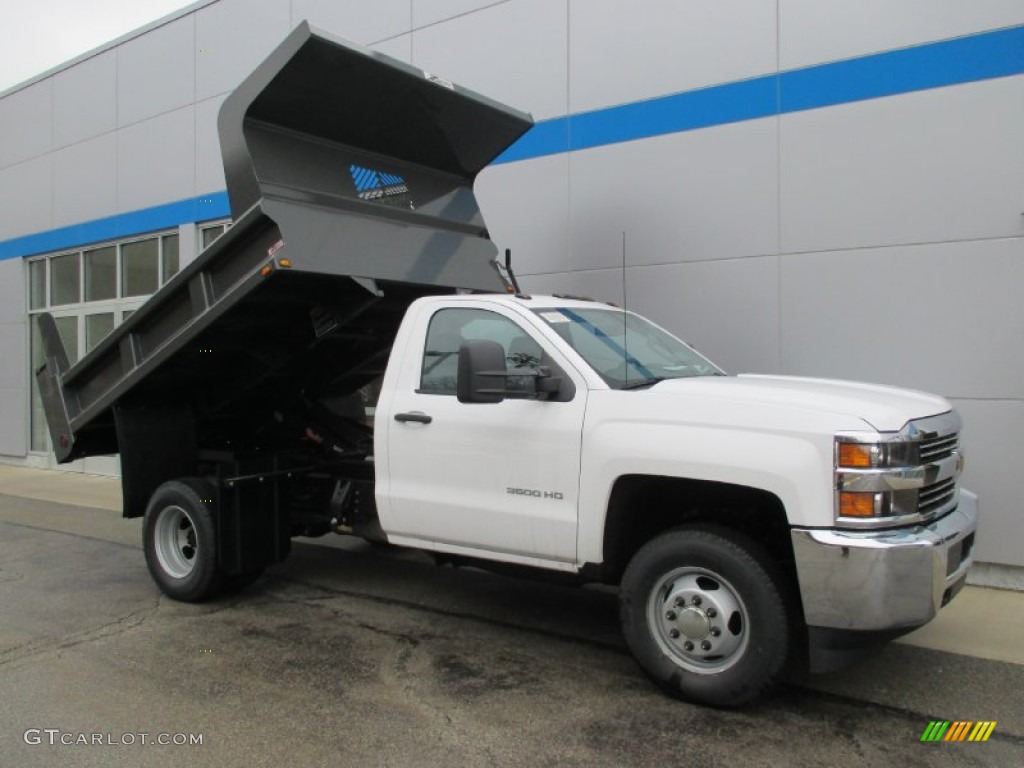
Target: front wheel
x: 179, y: 539
x: 704, y: 614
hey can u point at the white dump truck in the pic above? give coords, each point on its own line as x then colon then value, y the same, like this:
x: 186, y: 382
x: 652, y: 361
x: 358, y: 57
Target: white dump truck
x: 351, y: 357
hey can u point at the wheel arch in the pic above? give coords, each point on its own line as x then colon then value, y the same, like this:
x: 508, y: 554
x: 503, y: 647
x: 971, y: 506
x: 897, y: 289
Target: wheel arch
x: 641, y: 507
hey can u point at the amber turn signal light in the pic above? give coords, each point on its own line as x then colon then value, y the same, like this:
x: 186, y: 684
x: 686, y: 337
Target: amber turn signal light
x: 857, y: 455
x: 857, y: 505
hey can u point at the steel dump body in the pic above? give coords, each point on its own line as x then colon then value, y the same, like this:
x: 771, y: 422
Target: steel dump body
x: 350, y: 178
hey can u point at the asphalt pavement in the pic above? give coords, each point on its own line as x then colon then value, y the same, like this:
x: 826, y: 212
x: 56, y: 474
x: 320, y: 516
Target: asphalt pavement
x: 347, y: 655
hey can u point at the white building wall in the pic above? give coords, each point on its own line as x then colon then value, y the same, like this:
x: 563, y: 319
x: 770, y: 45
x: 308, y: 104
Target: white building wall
x: 13, y: 351
x: 879, y: 239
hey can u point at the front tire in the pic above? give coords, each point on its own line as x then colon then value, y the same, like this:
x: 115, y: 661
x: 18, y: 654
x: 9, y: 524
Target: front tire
x: 703, y: 612
x: 180, y: 541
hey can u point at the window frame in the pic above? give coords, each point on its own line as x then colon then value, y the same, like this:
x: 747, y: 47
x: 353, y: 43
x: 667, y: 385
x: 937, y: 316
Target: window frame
x: 118, y: 305
x: 522, y: 330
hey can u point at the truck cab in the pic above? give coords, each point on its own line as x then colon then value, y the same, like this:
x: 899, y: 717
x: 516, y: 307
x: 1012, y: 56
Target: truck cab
x: 591, y: 435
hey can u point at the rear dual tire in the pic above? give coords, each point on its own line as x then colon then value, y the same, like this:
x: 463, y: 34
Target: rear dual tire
x: 179, y: 536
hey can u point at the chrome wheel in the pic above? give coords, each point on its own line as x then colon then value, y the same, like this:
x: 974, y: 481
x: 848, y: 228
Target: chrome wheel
x: 698, y: 620
x: 175, y: 542
x: 703, y: 612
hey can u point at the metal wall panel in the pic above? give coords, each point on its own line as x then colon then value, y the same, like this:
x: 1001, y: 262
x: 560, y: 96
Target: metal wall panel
x: 396, y: 47
x: 691, y: 196
x: 156, y: 72
x: 729, y: 309
x: 552, y: 282
x: 13, y: 343
x: 526, y: 207
x: 232, y: 37
x: 621, y: 52
x: 85, y: 180
x: 944, y: 164
x: 13, y: 422
x: 354, y: 20
x: 812, y: 31
x: 156, y: 160
x: 514, y: 52
x: 26, y: 197
x: 426, y: 12
x: 991, y: 443
x: 26, y: 123
x: 85, y: 99
x: 13, y: 348
x: 209, y: 165
x: 13, y: 290
x: 945, y: 318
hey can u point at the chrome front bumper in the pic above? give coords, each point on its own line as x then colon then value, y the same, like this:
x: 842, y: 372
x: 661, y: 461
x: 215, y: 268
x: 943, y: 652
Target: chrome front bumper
x: 884, y: 580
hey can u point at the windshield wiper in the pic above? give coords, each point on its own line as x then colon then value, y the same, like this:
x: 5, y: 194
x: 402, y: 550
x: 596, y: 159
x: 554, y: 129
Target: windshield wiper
x: 643, y: 383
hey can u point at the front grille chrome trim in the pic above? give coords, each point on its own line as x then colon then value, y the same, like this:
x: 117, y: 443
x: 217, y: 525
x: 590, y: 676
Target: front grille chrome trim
x: 917, y: 494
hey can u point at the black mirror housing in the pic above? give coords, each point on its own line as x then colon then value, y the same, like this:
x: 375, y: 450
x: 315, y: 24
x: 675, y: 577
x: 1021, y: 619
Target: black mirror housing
x: 481, y: 363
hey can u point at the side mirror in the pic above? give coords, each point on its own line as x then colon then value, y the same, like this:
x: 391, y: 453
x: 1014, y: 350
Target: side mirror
x: 483, y: 376
x: 481, y: 366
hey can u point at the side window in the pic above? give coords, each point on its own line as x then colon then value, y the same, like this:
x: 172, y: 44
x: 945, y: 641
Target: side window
x: 450, y: 327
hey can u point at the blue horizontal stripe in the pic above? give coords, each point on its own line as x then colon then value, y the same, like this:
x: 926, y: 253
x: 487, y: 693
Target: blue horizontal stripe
x: 983, y: 56
x: 934, y: 65
x: 746, y: 100
x: 931, y: 65
x: 212, y: 206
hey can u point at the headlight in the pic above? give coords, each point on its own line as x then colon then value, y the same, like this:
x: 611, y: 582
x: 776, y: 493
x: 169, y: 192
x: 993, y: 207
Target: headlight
x: 896, y: 478
x: 851, y: 454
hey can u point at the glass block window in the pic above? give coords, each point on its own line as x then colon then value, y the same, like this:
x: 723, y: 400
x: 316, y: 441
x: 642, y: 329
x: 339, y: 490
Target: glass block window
x: 37, y: 419
x: 37, y: 284
x: 208, y: 234
x: 65, y: 279
x: 67, y: 327
x: 169, y: 264
x: 89, y: 292
x: 140, y: 267
x: 97, y: 326
x: 101, y: 274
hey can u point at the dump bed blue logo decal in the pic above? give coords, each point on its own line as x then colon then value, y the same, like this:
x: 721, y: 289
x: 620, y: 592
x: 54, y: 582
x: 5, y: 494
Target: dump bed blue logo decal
x: 380, y: 186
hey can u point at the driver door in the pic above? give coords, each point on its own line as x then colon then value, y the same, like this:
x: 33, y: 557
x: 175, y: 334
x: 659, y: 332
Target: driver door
x: 494, y: 477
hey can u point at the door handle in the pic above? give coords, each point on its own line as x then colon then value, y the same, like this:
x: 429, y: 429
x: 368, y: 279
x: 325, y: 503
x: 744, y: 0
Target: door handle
x: 415, y: 416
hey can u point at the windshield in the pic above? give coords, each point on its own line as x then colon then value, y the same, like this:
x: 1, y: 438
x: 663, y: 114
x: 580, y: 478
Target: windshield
x: 625, y: 349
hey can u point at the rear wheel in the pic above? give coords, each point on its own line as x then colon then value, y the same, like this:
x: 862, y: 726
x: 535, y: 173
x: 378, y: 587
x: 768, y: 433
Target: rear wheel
x: 703, y: 612
x: 180, y: 541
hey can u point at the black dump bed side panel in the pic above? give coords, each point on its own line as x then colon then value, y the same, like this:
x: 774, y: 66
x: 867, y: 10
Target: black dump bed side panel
x: 350, y: 177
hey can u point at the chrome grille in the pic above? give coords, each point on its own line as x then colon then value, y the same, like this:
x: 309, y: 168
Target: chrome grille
x: 937, y: 497
x: 933, y: 497
x: 937, y: 448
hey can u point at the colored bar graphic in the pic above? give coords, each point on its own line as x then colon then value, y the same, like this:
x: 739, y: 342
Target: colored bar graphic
x: 935, y: 731
x: 958, y: 730
x: 982, y: 731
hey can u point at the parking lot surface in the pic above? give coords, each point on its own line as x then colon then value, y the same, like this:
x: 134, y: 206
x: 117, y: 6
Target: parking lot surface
x: 352, y: 656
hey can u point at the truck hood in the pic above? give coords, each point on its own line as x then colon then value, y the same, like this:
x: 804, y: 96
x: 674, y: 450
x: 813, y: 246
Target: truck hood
x: 886, y: 409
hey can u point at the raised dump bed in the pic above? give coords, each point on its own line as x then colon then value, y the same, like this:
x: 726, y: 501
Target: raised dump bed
x: 350, y: 178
